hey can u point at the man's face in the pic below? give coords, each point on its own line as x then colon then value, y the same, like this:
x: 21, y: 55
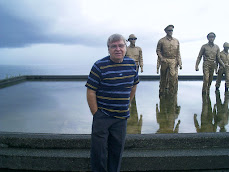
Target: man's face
x: 211, y: 38
x: 117, y: 50
x: 169, y: 31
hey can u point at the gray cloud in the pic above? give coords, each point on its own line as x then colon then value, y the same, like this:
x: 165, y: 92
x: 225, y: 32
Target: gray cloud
x: 17, y: 31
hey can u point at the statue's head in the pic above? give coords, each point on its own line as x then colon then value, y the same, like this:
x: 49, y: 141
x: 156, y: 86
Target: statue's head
x: 132, y: 39
x: 169, y: 30
x: 211, y: 37
x: 226, y: 45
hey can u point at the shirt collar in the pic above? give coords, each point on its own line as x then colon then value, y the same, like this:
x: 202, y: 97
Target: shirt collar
x: 210, y: 44
x: 169, y: 38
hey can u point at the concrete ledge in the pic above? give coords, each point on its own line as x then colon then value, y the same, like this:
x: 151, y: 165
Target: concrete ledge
x: 19, y: 79
x: 59, y: 152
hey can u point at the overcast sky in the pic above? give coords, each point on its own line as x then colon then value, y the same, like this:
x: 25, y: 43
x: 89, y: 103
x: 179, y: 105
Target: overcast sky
x: 76, y: 31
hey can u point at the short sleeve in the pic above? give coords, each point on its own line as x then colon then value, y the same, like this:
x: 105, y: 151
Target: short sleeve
x: 94, y: 78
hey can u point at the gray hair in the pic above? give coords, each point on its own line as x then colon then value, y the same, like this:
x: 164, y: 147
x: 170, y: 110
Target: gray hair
x: 114, y: 38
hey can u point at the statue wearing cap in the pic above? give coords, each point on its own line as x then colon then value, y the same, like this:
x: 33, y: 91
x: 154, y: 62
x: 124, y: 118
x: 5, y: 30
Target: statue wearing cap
x: 210, y: 53
x: 168, y: 52
x: 135, y: 52
x: 223, y: 71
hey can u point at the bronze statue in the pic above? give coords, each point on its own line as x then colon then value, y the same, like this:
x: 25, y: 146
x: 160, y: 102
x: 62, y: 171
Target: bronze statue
x: 208, y: 116
x: 134, y: 123
x: 135, y: 52
x: 221, y: 110
x: 168, y: 51
x: 167, y: 114
x: 210, y: 53
x: 223, y: 71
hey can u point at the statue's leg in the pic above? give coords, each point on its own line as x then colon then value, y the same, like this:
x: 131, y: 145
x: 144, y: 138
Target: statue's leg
x: 219, y: 78
x: 205, y: 77
x: 172, y: 76
x: 211, y: 72
x: 226, y: 78
x: 164, y: 68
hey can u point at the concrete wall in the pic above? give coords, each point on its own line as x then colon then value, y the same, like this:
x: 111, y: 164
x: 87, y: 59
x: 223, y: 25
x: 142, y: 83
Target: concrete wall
x: 57, y: 152
x: 16, y: 80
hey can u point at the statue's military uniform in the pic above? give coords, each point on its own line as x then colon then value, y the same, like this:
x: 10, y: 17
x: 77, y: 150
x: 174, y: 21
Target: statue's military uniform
x: 136, y: 54
x: 223, y: 71
x: 168, y: 51
x: 210, y: 54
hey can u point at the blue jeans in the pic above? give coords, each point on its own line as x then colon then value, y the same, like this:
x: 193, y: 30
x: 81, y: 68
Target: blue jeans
x: 107, y: 142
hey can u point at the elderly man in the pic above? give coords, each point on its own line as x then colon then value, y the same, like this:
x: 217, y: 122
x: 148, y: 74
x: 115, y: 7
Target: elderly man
x: 111, y: 86
x: 210, y: 53
x: 168, y: 51
x: 223, y: 71
x: 135, y: 52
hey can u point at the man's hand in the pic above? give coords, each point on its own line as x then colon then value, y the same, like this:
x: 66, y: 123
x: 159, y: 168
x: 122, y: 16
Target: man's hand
x: 180, y: 67
x: 141, y: 69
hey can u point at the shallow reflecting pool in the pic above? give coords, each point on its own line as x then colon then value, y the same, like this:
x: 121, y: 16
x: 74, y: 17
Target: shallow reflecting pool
x: 61, y: 107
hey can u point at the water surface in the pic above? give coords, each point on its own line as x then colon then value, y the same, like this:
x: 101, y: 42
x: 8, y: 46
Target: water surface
x: 61, y: 107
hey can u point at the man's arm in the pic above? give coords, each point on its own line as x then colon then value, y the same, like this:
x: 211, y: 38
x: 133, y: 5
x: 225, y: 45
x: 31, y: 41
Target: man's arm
x: 179, y: 57
x: 158, y: 50
x: 132, y: 93
x: 91, y: 100
x: 219, y: 59
x: 140, y: 59
x: 199, y: 58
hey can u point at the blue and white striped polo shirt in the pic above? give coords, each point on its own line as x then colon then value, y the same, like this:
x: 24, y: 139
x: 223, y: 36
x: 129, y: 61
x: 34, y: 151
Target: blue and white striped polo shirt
x: 113, y: 83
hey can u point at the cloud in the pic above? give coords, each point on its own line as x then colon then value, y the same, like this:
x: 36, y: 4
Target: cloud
x: 26, y: 25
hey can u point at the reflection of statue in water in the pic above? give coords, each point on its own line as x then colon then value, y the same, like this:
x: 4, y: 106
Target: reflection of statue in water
x: 135, y: 52
x: 168, y: 51
x: 134, y: 125
x: 221, y: 111
x: 223, y: 71
x: 210, y: 53
x: 208, y: 123
x: 167, y: 114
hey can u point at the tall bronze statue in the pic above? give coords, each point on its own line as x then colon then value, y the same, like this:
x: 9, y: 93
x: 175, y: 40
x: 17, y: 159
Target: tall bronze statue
x: 135, y: 52
x: 223, y: 71
x: 168, y: 51
x: 210, y: 53
x: 208, y: 117
x: 167, y: 113
x: 221, y: 110
x: 134, y: 123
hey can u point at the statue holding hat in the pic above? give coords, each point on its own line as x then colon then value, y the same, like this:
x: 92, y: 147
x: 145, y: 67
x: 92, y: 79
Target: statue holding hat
x: 223, y: 71
x: 135, y: 52
x: 168, y: 52
x: 210, y: 53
